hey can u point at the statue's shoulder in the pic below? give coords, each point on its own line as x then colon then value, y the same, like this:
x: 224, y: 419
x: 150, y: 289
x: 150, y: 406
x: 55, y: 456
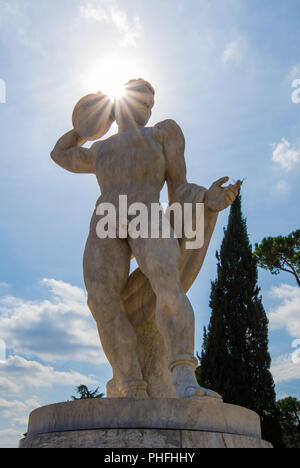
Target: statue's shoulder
x: 101, y: 145
x: 168, y: 129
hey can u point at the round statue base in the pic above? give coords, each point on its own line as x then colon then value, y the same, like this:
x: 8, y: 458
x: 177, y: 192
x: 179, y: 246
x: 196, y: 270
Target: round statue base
x: 141, y: 438
x: 161, y: 423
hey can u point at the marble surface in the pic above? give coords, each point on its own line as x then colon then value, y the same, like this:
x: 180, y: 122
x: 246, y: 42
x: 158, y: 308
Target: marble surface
x: 142, y: 438
x: 204, y: 414
x: 145, y: 320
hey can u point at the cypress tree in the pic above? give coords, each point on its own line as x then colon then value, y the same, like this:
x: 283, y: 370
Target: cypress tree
x: 235, y: 361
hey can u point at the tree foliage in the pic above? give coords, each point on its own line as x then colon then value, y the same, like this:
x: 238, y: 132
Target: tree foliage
x: 289, y: 411
x: 85, y: 394
x: 280, y: 254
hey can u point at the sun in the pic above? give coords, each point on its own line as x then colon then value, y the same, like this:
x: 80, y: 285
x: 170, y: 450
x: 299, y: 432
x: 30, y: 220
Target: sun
x: 110, y: 75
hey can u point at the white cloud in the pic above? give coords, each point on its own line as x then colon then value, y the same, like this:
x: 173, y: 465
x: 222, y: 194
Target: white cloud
x: 287, y: 314
x: 14, y: 418
x: 284, y: 369
x: 15, y: 409
x: 95, y: 13
x: 234, y: 51
x: 2, y: 350
x: 8, y: 386
x: 14, y: 415
x: 58, y: 329
x: 17, y: 373
x: 286, y: 155
x: 9, y: 438
x: 19, y: 376
x: 282, y: 187
x: 130, y: 30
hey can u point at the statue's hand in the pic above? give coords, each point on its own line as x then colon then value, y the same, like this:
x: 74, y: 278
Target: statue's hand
x: 218, y: 198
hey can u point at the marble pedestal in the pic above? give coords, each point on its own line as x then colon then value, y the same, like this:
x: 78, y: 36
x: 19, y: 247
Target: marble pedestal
x: 160, y: 423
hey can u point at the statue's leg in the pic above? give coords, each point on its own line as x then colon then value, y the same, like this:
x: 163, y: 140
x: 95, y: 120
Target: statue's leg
x: 159, y: 261
x: 106, y: 268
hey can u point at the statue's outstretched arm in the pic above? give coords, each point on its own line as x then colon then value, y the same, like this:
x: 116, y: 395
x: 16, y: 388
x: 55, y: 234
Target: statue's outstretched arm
x: 68, y: 154
x: 217, y: 198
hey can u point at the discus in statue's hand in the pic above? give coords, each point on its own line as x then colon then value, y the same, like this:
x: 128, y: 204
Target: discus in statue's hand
x: 93, y: 116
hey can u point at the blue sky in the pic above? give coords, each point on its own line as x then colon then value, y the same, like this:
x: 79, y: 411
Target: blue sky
x: 223, y: 70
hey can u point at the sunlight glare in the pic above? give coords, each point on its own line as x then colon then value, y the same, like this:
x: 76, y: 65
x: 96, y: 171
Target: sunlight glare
x: 110, y: 75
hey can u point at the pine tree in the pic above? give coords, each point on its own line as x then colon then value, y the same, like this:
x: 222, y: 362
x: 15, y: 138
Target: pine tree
x: 235, y: 361
x: 85, y: 394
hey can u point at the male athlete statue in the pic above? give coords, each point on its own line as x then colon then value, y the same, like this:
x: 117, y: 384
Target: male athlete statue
x: 137, y: 162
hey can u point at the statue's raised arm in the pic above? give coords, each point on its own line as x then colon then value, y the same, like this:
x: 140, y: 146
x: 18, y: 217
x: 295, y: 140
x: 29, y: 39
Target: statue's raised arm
x: 69, y: 155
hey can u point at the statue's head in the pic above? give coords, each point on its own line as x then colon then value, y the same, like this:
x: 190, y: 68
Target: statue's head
x: 136, y: 103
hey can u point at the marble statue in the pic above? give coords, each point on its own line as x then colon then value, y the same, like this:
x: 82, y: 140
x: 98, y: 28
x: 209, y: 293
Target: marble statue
x: 145, y: 320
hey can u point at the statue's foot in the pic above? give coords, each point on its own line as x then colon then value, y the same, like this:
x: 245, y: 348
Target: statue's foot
x: 196, y: 392
x: 209, y: 393
x: 112, y: 389
x: 185, y: 382
x: 136, y: 390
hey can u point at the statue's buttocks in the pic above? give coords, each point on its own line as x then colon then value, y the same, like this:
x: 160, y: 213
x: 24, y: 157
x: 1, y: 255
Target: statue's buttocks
x: 130, y: 160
